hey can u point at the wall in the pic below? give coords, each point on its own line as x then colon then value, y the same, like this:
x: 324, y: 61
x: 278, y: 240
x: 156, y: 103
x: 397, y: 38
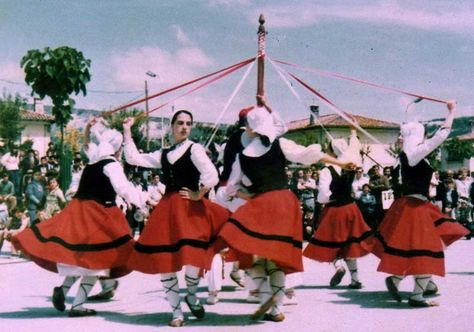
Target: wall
x: 39, y: 133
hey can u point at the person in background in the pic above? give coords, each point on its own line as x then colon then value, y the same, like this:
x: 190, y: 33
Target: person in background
x: 11, y: 162
x: 7, y: 192
x: 463, y: 182
x: 359, y: 181
x: 451, y: 199
x: 367, y: 205
x: 18, y: 223
x: 55, y: 200
x: 35, y: 194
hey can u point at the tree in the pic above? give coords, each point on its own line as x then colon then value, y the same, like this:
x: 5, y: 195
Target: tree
x: 458, y: 150
x: 57, y: 74
x: 10, y: 118
x: 115, y: 121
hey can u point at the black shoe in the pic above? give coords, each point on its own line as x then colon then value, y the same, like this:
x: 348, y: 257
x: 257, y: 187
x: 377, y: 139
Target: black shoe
x: 82, y: 312
x: 422, y: 304
x: 257, y: 315
x: 392, y: 289
x: 59, y: 299
x: 355, y: 285
x: 337, y: 277
x: 274, y: 318
x: 433, y: 291
x: 104, y: 295
x: 196, y: 309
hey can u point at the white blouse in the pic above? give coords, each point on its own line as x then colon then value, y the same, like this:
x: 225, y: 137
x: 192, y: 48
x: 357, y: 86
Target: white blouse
x: 293, y: 152
x: 208, y: 178
x: 123, y: 187
x: 416, y: 153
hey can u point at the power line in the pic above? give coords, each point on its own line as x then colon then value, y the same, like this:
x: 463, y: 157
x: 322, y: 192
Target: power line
x: 91, y: 91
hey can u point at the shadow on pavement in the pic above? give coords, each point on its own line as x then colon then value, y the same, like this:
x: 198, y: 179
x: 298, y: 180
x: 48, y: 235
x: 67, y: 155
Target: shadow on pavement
x: 462, y: 273
x: 162, y: 319
x: 33, y: 312
x: 377, y: 299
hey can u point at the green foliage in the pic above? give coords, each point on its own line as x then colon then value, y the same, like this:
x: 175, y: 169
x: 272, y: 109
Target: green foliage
x: 10, y: 118
x: 57, y: 73
x: 115, y: 121
x: 458, y: 150
x: 202, y: 133
x: 26, y: 145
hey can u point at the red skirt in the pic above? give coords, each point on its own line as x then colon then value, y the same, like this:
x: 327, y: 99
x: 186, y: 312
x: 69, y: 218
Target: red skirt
x: 85, y: 234
x: 269, y: 226
x: 179, y: 232
x: 412, y: 237
x: 342, y: 233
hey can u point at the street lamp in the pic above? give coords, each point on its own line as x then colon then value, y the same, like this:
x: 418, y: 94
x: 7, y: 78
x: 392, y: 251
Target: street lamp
x: 151, y: 74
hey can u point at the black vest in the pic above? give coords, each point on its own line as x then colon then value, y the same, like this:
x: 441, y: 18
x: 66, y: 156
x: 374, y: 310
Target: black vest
x: 266, y: 172
x: 416, y: 179
x: 181, y: 174
x: 341, y: 187
x: 95, y: 185
x: 232, y: 149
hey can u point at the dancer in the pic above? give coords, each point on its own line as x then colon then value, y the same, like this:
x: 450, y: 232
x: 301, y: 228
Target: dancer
x: 415, y: 232
x: 235, y: 144
x: 269, y: 224
x: 90, y: 237
x: 342, y: 232
x: 182, y: 227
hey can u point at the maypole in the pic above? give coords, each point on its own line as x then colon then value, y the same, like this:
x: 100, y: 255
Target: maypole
x: 261, y: 58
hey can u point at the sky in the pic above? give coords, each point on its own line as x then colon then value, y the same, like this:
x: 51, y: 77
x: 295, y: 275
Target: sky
x: 424, y: 46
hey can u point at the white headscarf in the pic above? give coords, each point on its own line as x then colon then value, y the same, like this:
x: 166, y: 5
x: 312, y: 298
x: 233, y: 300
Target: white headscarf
x: 413, y: 134
x: 261, y: 122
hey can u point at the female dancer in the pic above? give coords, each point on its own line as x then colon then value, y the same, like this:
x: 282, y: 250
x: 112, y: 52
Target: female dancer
x: 342, y: 232
x: 414, y: 232
x: 182, y: 227
x: 269, y: 224
x: 90, y: 237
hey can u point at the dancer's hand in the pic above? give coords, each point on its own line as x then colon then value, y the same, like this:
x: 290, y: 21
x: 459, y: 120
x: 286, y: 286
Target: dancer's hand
x: 187, y: 193
x: 243, y: 195
x: 128, y: 123
x: 451, y: 105
x: 349, y: 166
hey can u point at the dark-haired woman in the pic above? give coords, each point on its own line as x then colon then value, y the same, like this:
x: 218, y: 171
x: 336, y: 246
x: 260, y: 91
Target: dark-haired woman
x: 268, y: 226
x: 182, y: 227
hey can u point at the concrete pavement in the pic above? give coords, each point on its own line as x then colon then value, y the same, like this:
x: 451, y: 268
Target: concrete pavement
x: 139, y: 303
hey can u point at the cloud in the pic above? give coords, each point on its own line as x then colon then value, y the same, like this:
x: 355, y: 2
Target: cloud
x: 181, y: 36
x: 426, y: 15
x: 128, y: 69
x: 228, y: 3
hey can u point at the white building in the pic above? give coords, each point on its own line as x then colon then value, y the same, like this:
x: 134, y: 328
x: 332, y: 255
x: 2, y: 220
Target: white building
x: 37, y: 128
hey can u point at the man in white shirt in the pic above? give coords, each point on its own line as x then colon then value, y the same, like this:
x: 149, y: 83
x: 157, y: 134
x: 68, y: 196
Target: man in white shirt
x: 463, y: 182
x: 359, y: 180
x: 156, y: 190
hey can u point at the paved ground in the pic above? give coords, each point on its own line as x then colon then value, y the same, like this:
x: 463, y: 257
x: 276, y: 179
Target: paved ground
x: 139, y: 304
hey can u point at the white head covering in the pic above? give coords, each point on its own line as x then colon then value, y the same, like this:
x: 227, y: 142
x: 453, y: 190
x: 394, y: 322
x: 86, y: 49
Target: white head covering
x: 412, y: 133
x: 261, y: 122
x: 97, y: 130
x: 339, y: 145
x: 110, y: 142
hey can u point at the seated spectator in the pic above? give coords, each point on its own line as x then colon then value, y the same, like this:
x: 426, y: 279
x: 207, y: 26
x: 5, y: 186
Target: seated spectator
x: 43, y: 167
x: 7, y: 192
x: 18, y: 223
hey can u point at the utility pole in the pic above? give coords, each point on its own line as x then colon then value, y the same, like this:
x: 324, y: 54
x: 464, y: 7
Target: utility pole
x: 147, y: 132
x: 261, y: 57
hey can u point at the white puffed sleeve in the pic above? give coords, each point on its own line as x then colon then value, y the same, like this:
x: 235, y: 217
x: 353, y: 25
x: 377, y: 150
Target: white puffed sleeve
x: 279, y: 124
x: 122, y: 186
x: 300, y: 154
x: 324, y: 192
x: 148, y: 160
x: 209, y: 176
x: 416, y: 153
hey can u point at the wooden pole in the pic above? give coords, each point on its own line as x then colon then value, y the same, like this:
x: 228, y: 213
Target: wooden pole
x: 261, y: 58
